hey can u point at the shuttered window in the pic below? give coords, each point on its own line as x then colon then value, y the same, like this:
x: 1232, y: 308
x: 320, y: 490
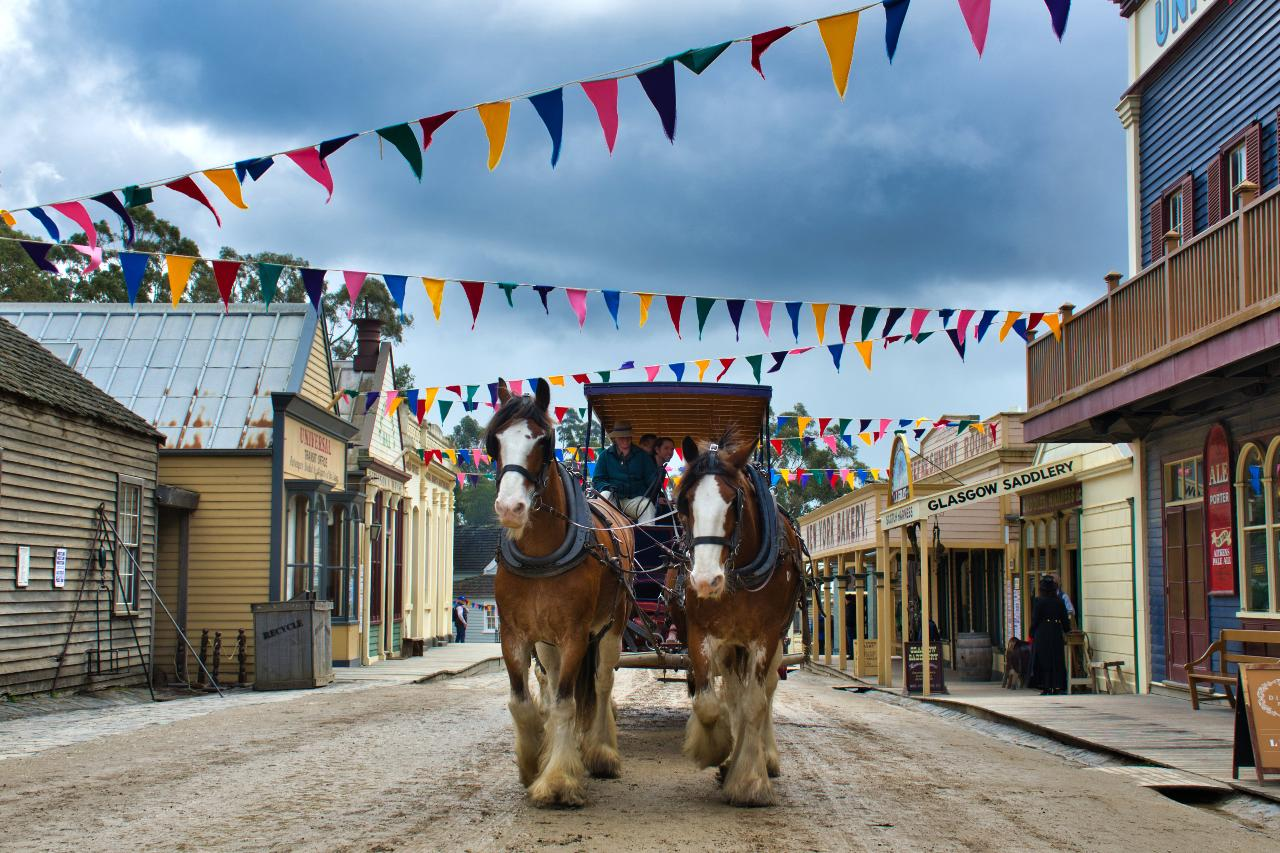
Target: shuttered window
x: 1237, y: 161
x: 129, y: 528
x: 1175, y: 211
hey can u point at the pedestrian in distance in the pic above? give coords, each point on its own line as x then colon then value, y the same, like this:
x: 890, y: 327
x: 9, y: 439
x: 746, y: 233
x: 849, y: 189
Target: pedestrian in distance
x: 1049, y: 624
x: 459, y: 621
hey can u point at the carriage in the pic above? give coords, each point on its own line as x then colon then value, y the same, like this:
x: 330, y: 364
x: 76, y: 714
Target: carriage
x: 702, y: 411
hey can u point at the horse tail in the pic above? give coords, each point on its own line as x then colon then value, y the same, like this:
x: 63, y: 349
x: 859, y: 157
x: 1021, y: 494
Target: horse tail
x: 584, y: 687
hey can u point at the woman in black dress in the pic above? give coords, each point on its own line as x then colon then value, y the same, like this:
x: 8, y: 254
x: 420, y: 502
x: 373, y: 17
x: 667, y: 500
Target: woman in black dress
x: 1048, y: 624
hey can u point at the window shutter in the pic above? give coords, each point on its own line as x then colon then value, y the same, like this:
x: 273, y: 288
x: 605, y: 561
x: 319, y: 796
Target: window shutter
x: 1213, y: 177
x: 1187, y: 228
x: 1253, y: 153
x: 1157, y: 230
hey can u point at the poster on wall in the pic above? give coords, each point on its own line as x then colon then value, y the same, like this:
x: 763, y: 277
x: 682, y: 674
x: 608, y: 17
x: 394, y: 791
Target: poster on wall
x: 900, y: 484
x: 1219, y: 517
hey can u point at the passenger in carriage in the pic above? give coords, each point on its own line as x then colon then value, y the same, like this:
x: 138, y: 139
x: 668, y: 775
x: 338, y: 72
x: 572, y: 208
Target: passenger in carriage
x: 646, y: 442
x: 625, y: 475
x: 663, y: 449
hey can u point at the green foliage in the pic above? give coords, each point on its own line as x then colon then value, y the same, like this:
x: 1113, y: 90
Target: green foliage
x: 473, y: 504
x: 572, y: 431
x: 798, y: 500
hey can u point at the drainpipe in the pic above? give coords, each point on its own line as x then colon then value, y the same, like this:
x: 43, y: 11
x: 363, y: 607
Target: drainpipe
x: 1133, y: 568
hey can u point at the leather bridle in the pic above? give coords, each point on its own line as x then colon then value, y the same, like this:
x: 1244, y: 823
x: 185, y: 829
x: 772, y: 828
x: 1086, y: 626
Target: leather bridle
x: 734, y: 539
x: 539, y: 480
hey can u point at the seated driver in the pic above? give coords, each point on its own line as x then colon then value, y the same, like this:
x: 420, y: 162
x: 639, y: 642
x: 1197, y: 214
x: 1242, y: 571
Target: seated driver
x: 624, y: 475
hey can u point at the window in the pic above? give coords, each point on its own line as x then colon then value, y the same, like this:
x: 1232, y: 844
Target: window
x: 1184, y: 480
x: 1237, y: 172
x: 375, y: 561
x: 490, y: 618
x: 1173, y: 213
x: 298, y: 547
x: 129, y: 528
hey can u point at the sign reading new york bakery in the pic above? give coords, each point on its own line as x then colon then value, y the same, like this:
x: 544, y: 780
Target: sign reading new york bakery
x: 993, y: 487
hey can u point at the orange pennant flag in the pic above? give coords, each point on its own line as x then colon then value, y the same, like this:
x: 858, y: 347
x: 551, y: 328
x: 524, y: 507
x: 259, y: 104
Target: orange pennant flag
x: 838, y: 35
x: 864, y: 350
x: 646, y: 299
x: 428, y: 397
x: 802, y: 424
x: 394, y: 404
x: 1009, y: 320
x: 820, y: 319
x: 866, y: 436
x: 225, y: 180
x: 556, y: 380
x: 703, y: 364
x: 8, y: 219
x: 179, y: 267
x: 435, y: 290
x: 1054, y: 322
x: 495, y: 117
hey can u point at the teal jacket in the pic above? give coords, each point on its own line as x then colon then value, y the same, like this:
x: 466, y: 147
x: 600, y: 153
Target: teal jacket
x: 625, y: 478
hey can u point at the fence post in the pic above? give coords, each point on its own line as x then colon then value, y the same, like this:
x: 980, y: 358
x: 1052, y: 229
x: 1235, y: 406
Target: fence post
x: 1248, y: 194
x: 1171, y: 240
x: 1113, y: 282
x: 1065, y: 310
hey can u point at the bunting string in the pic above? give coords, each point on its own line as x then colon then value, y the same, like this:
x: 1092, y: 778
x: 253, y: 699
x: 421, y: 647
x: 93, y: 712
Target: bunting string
x: 838, y: 34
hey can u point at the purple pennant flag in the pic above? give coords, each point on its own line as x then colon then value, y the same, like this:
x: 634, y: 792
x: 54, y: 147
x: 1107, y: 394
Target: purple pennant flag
x: 895, y: 314
x: 493, y: 393
x: 944, y: 314
x: 611, y: 298
x: 331, y: 145
x: 134, y: 266
x: 313, y: 283
x: 957, y: 341
x: 836, y: 350
x: 793, y: 311
x: 659, y: 84
x: 1058, y: 11
x: 39, y: 253
x: 735, y: 314
x: 370, y: 399
x: 543, y: 290
x: 627, y: 365
x: 44, y: 220
x: 113, y: 204
x: 863, y: 423
x: 778, y: 357
x: 985, y: 323
x: 895, y: 12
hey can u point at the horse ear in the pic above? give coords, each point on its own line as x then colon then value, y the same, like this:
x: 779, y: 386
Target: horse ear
x: 739, y: 454
x: 690, y: 448
x: 542, y: 395
x: 504, y: 394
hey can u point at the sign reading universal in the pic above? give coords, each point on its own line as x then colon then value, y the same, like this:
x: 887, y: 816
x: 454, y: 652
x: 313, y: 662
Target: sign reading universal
x: 991, y: 488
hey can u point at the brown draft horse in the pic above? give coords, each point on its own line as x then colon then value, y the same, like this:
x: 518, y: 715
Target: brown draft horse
x: 735, y: 631
x: 572, y: 612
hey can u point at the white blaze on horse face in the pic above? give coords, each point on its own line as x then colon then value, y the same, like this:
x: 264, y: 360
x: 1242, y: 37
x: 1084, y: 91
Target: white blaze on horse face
x: 708, y: 510
x: 515, y: 493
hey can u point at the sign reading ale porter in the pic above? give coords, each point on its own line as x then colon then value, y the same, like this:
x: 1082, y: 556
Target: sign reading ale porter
x: 1219, y: 520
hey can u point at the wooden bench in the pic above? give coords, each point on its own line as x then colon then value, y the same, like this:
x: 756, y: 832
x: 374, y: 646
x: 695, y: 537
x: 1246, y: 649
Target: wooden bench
x: 1225, y: 657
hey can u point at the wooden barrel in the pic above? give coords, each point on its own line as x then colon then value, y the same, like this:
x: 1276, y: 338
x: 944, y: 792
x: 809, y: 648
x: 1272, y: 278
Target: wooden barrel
x: 973, y: 657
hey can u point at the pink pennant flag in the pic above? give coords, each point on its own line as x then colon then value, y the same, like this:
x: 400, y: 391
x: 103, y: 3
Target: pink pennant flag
x: 884, y: 425
x: 962, y: 322
x: 462, y: 480
x: 918, y: 317
x: 75, y: 211
x: 516, y: 386
x: 603, y: 95
x: 308, y: 160
x: 191, y: 189
x: 390, y: 397
x: 652, y: 371
x: 578, y: 302
x: 354, y: 280
x: 798, y: 350
x: 764, y: 309
x: 832, y: 443
x: 94, y: 255
x: 977, y: 15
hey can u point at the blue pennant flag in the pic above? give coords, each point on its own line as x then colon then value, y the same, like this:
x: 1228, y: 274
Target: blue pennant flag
x: 611, y: 302
x: 895, y: 12
x: 134, y: 266
x: 550, y: 107
x: 395, y: 286
x: 678, y: 369
x: 44, y: 220
x: 837, y: 351
x: 793, y: 310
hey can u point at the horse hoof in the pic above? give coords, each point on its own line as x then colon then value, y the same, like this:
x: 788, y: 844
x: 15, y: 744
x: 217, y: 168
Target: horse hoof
x: 568, y: 792
x: 753, y: 793
x: 773, y: 768
x: 603, y: 762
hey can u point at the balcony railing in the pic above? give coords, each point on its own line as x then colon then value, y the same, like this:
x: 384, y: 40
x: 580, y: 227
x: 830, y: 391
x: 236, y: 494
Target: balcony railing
x: 1217, y: 280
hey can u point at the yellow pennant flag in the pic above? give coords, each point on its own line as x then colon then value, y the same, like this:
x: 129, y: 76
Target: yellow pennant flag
x: 556, y: 380
x: 428, y: 397
x: 703, y: 364
x: 8, y: 219
x: 645, y: 300
x: 495, y: 117
x: 864, y: 350
x: 1009, y: 320
x: 875, y: 473
x: 435, y: 290
x: 225, y: 180
x: 866, y: 436
x: 838, y: 34
x: 179, y: 267
x: 801, y: 424
x: 786, y: 474
x: 452, y: 454
x: 395, y: 404
x: 1054, y: 322
x: 820, y: 319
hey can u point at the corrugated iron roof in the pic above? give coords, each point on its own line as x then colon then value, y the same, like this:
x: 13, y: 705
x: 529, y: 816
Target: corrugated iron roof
x: 202, y: 375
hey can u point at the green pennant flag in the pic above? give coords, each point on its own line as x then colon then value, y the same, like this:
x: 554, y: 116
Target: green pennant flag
x: 268, y: 277
x: 796, y: 444
x: 868, y: 320
x: 704, y: 304
x: 445, y: 406
x: 403, y: 138
x: 699, y: 59
x: 471, y: 392
x: 507, y: 289
x: 604, y: 375
x: 921, y: 337
x: 135, y: 196
x: 844, y: 425
x: 754, y: 361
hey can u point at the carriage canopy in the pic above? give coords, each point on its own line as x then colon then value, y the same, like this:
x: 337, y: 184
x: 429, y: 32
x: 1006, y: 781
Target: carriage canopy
x: 700, y: 410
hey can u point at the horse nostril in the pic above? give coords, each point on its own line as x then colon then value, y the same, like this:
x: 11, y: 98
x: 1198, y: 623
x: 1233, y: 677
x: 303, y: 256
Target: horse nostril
x: 518, y: 507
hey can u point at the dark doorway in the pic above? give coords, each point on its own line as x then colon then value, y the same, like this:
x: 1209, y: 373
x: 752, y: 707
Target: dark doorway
x: 1186, y: 592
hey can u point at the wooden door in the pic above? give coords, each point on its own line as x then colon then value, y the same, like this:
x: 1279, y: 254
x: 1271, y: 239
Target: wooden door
x: 1186, y: 601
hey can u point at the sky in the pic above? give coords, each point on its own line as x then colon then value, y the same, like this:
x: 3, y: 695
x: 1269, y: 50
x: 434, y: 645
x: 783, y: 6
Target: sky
x: 941, y: 180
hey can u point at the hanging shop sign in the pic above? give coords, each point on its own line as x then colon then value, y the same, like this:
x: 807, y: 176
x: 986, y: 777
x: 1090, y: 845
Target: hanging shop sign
x: 1257, y: 721
x: 1053, y: 500
x: 1160, y: 23
x: 901, y: 485
x: 312, y: 455
x: 1219, y: 517
x: 994, y: 487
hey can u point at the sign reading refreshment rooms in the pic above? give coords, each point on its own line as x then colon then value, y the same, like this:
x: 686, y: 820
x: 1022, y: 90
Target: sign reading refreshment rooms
x: 993, y: 487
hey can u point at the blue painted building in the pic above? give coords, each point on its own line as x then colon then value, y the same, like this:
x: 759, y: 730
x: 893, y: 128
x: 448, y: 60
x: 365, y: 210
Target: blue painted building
x: 1182, y: 357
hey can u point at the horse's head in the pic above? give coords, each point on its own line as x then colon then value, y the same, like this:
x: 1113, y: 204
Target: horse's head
x: 521, y: 439
x: 712, y: 499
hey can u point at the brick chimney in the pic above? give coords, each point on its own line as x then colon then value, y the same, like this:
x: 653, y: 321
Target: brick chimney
x: 368, y: 339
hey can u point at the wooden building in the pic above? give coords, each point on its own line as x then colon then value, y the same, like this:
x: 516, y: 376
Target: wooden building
x: 67, y: 449
x: 254, y: 460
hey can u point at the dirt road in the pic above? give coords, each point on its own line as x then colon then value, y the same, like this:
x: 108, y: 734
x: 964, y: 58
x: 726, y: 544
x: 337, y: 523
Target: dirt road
x: 429, y: 768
